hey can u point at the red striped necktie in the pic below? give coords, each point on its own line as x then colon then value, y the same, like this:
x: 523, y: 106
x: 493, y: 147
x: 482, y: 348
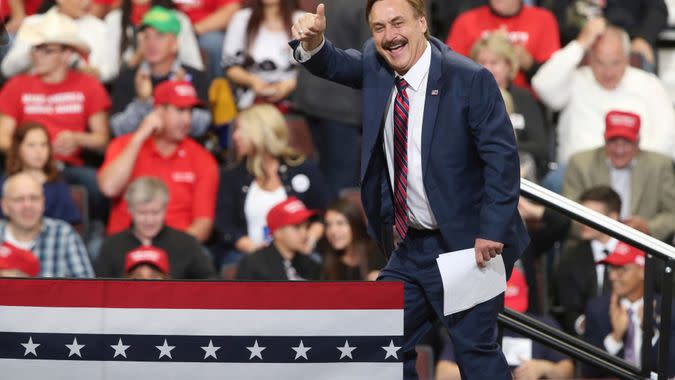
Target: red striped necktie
x: 401, y: 108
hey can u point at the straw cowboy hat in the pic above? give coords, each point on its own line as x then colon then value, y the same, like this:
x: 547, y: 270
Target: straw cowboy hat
x: 53, y: 28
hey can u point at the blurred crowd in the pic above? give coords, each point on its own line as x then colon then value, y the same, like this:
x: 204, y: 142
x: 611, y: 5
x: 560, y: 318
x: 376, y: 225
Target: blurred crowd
x: 160, y: 139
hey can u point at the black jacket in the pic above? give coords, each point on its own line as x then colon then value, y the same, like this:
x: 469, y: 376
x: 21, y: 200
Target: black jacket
x: 187, y: 259
x: 267, y: 265
x: 235, y: 182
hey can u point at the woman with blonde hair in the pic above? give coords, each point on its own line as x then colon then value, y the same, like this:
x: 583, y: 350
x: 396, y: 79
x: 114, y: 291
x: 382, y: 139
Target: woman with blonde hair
x: 496, y: 53
x: 266, y: 172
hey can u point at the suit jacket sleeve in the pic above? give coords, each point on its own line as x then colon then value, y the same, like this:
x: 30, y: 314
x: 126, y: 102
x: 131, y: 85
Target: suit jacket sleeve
x: 496, y: 145
x: 661, y: 225
x: 573, y: 184
x: 337, y: 65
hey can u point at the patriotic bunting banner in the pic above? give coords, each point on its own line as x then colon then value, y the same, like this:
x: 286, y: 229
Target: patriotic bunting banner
x: 145, y: 330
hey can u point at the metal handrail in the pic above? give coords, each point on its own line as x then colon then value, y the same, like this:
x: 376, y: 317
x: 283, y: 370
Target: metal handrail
x: 654, y: 249
x: 596, y: 220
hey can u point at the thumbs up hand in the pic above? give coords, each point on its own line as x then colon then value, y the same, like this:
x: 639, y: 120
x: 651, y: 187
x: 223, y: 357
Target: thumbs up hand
x: 310, y: 27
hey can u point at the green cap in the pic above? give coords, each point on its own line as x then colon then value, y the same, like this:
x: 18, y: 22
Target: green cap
x: 161, y: 19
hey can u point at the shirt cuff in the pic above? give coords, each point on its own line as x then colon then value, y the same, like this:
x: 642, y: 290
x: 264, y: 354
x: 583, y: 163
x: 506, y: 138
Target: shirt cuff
x: 302, y: 55
x: 612, y: 346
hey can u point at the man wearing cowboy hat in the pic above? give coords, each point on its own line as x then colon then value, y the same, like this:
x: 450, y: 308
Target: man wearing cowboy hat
x: 72, y: 105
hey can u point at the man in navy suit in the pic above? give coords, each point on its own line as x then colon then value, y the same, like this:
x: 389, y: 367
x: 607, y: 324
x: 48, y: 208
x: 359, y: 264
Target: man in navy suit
x: 614, y: 322
x: 439, y: 164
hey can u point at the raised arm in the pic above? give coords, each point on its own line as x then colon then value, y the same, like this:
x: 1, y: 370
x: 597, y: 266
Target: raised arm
x: 319, y: 55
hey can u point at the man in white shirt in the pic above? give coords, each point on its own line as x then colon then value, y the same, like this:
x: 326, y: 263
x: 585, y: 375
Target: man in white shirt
x: 585, y: 94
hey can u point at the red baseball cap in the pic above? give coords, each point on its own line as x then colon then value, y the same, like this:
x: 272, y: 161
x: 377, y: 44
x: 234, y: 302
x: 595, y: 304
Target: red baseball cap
x: 154, y: 256
x: 622, y: 124
x: 180, y: 94
x: 624, y: 254
x: 516, y: 295
x: 289, y: 212
x: 12, y: 257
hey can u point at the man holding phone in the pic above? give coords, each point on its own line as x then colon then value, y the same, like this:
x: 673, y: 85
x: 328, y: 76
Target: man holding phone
x: 161, y: 147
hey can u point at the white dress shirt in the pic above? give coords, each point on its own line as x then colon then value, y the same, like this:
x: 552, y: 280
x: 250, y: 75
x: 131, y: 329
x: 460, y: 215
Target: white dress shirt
x: 613, y: 347
x: 621, y: 180
x: 420, y: 215
x: 600, y: 252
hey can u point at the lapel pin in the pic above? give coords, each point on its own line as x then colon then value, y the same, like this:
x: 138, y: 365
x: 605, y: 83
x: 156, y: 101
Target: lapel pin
x: 434, y: 92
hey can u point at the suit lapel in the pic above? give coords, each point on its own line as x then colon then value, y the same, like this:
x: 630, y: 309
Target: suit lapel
x: 600, y: 173
x: 637, y: 182
x: 376, y: 102
x: 431, y: 104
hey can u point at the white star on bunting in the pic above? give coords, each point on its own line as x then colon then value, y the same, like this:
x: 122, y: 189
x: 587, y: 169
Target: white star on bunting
x: 391, y: 350
x: 30, y: 347
x: 74, y: 348
x: 120, y: 349
x: 346, y: 350
x: 301, y: 351
x: 256, y: 351
x: 210, y: 350
x: 165, y: 350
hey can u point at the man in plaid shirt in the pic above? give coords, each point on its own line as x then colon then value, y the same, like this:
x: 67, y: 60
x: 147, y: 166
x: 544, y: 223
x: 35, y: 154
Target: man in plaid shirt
x: 54, y: 242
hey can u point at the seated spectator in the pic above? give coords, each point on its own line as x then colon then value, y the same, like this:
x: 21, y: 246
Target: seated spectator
x: 96, y: 60
x: 123, y: 24
x: 537, y: 362
x: 267, y: 172
x: 147, y: 263
x: 31, y: 153
x: 70, y: 104
x: 644, y: 180
x: 210, y: 18
x: 55, y: 243
x: 132, y: 98
x: 284, y: 259
x: 577, y: 279
x: 13, y: 12
x: 585, y: 94
x: 17, y: 262
x: 347, y: 251
x: 101, y: 8
x: 256, y: 57
x: 147, y: 199
x: 161, y: 147
x: 642, y: 19
x: 496, y: 53
x: 532, y: 30
x: 614, y: 322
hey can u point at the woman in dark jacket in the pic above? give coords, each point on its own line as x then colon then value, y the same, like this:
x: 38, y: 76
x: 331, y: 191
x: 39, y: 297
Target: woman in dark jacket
x: 267, y: 171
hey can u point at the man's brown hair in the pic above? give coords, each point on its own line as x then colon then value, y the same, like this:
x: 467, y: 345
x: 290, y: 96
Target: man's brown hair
x: 417, y: 5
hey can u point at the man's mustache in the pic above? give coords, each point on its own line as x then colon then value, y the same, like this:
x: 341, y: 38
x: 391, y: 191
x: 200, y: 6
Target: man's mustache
x: 395, y: 41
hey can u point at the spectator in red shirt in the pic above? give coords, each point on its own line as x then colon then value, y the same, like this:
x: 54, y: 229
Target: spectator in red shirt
x: 210, y: 19
x: 70, y: 104
x: 532, y: 30
x: 160, y: 147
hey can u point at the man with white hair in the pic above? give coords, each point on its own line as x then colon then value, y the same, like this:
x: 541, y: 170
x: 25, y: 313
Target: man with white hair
x: 147, y: 199
x: 54, y: 242
x: 585, y: 94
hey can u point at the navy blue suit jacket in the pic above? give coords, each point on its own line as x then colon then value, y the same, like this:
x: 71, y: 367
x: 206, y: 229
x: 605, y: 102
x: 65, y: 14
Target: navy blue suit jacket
x: 470, y: 162
x: 598, y: 326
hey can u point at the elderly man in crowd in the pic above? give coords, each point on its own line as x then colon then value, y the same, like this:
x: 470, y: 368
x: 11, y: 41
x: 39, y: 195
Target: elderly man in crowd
x: 585, y: 94
x: 147, y: 199
x: 644, y: 180
x: 55, y: 243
